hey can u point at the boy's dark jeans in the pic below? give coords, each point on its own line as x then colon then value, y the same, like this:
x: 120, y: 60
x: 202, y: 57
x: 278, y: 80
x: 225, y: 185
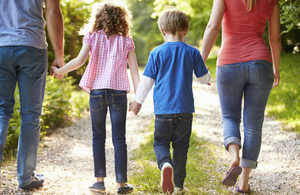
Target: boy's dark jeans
x: 175, y: 128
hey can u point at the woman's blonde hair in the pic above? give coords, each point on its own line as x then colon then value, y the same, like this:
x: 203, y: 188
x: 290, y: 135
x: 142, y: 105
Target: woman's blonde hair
x: 250, y: 4
x: 113, y: 19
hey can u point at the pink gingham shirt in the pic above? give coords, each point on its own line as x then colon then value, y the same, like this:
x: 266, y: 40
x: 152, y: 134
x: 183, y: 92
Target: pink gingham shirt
x: 107, y: 68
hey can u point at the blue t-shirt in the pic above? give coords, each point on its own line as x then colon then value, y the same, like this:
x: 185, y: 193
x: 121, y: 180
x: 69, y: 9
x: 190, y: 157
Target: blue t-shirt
x: 22, y: 23
x: 172, y: 65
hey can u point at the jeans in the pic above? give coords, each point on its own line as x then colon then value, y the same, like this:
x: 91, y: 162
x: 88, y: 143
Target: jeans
x: 251, y: 81
x: 26, y: 66
x: 175, y: 128
x: 116, y: 101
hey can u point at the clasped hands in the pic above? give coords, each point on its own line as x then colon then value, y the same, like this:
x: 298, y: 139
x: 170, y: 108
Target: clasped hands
x: 135, y: 107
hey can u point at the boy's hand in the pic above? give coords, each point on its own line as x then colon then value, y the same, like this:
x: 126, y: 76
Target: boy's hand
x: 135, y: 107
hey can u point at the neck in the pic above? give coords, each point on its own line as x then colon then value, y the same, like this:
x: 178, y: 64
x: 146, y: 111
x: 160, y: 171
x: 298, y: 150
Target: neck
x: 179, y: 36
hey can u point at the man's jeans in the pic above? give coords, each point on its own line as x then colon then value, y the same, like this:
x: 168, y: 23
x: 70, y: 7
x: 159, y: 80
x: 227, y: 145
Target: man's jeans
x: 28, y: 67
x: 175, y: 128
x: 116, y: 101
x: 253, y: 80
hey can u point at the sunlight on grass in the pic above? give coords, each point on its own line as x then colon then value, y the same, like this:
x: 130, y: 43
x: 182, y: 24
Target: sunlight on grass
x: 202, y: 175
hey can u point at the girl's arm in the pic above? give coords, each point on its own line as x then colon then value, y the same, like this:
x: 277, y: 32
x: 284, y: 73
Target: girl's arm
x: 74, y: 63
x: 134, y: 71
x: 275, y: 41
x: 212, y: 28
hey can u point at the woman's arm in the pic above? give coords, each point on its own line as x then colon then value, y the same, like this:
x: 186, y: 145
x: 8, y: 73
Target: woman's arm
x: 212, y: 28
x: 134, y: 71
x: 74, y: 63
x: 275, y: 41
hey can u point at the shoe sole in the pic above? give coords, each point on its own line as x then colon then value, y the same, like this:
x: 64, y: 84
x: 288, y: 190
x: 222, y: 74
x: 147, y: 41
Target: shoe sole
x: 167, y: 184
x: 128, y: 192
x: 98, y: 190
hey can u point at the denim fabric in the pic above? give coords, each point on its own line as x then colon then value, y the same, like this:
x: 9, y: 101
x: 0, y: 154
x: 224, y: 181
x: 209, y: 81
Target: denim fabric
x: 252, y: 82
x: 28, y: 67
x: 175, y: 128
x: 116, y: 101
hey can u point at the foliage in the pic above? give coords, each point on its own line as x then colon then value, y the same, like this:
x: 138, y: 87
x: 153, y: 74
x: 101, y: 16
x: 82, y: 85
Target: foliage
x: 201, y: 168
x: 144, y: 30
x: 290, y: 24
x: 284, y: 99
x: 61, y: 102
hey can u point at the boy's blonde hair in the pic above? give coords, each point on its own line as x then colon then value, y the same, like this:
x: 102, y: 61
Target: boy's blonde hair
x: 172, y: 20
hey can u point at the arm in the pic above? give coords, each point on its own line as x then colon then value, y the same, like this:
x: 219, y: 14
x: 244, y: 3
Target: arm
x: 212, y: 28
x: 55, y: 30
x: 275, y: 41
x: 134, y: 71
x: 204, y: 79
x: 142, y: 91
x: 75, y: 63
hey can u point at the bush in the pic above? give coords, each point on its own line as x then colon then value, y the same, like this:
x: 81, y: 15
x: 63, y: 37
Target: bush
x: 61, y: 103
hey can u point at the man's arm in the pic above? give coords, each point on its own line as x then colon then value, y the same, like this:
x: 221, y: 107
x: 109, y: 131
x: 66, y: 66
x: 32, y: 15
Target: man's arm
x: 55, y: 30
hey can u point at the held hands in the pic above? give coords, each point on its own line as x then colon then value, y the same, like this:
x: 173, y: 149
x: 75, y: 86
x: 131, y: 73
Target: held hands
x: 135, y: 107
x: 55, y: 66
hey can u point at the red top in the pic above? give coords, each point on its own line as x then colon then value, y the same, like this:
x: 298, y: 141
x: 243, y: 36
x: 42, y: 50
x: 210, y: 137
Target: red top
x: 242, y: 32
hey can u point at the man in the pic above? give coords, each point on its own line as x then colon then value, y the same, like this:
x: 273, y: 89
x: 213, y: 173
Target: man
x: 23, y: 60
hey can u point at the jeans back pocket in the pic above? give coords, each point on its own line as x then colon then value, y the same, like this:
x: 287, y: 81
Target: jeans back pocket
x: 227, y: 74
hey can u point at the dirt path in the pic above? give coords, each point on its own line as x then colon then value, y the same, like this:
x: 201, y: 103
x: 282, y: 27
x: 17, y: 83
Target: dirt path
x: 66, y: 159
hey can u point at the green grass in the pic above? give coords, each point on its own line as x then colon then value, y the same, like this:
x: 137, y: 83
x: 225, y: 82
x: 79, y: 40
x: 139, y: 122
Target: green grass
x: 284, y: 101
x: 202, y: 175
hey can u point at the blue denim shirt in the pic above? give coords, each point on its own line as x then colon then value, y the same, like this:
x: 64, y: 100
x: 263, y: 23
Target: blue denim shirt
x: 22, y: 23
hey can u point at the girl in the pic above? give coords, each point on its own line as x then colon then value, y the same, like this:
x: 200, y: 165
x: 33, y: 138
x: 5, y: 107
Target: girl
x: 106, y: 79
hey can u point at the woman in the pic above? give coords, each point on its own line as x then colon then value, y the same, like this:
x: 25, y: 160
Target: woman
x: 245, y: 70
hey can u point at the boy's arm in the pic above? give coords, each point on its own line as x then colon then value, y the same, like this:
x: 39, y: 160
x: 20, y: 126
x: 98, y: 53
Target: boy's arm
x: 204, y: 79
x: 75, y: 63
x: 141, y: 93
x: 143, y: 89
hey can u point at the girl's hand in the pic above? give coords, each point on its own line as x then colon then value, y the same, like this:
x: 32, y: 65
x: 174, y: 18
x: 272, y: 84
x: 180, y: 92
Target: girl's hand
x: 54, y: 71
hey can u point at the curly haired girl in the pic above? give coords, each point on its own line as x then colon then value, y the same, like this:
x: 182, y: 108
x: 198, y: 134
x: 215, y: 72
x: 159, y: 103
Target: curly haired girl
x: 110, y: 46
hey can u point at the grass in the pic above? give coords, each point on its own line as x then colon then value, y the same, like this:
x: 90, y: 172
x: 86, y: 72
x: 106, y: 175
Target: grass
x: 284, y: 101
x: 202, y: 175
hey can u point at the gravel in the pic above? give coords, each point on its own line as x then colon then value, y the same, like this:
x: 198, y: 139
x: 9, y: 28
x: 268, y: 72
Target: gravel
x: 66, y: 160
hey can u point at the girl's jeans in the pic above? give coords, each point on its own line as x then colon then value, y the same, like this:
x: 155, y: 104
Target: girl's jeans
x: 252, y: 81
x: 116, y: 101
x: 26, y: 66
x: 175, y: 128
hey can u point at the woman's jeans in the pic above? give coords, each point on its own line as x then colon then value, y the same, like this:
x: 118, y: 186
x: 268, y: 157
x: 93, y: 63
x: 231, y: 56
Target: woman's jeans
x: 175, y: 128
x: 253, y: 81
x: 28, y: 67
x: 116, y: 101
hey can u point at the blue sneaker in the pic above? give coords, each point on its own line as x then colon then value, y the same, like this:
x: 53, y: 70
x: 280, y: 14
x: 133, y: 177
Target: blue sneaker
x: 35, y: 183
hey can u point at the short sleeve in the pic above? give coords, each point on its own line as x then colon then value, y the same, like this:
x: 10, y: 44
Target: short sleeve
x: 88, y: 38
x: 151, y: 69
x: 199, y: 66
x: 130, y: 45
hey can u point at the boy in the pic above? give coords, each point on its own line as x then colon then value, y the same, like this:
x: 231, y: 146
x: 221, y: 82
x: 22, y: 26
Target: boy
x: 170, y: 67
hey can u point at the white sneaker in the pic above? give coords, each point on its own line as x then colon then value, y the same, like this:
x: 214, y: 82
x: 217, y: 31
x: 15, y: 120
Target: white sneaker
x: 167, y: 182
x: 179, y: 190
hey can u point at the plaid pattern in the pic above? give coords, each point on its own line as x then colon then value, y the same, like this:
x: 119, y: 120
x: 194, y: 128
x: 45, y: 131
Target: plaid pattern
x: 107, y: 68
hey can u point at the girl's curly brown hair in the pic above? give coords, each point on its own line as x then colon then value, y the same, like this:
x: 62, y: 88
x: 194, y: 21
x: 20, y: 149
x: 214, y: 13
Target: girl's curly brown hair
x: 113, y: 19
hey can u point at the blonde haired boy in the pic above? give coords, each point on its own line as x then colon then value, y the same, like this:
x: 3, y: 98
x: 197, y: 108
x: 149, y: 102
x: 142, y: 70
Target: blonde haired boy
x: 170, y: 69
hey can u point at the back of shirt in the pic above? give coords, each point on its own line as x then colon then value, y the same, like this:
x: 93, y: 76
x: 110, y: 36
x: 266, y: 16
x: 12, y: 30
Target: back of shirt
x: 172, y: 65
x: 22, y: 23
x: 242, y: 32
